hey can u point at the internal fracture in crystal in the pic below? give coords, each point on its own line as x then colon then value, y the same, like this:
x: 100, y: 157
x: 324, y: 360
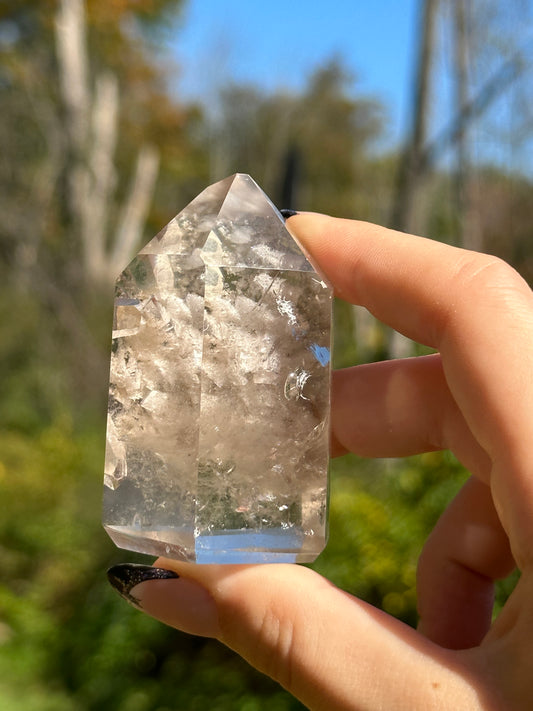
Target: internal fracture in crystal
x: 217, y: 436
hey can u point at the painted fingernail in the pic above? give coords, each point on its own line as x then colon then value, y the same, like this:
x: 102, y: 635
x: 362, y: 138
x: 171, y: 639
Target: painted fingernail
x: 170, y: 598
x: 288, y: 213
x: 125, y: 576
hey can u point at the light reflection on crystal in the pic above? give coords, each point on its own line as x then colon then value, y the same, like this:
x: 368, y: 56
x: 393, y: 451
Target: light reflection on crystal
x: 219, y: 395
x: 294, y: 385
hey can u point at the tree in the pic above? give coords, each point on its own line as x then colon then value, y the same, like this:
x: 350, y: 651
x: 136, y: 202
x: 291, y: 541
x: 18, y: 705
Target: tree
x: 86, y: 119
x: 325, y: 131
x: 91, y: 122
x: 488, y: 57
x: 411, y: 165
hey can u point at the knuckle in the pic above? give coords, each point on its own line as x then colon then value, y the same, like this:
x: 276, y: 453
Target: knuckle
x: 483, y: 283
x: 482, y: 275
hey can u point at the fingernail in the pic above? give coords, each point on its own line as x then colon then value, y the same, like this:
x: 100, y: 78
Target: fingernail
x: 163, y: 594
x: 125, y: 576
x: 288, y: 213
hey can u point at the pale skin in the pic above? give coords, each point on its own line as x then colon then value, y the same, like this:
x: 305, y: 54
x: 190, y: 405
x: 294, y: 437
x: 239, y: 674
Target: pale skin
x: 474, y: 397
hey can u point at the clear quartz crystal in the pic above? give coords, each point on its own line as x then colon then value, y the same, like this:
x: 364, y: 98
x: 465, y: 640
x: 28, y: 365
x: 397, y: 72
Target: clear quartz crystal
x: 217, y: 435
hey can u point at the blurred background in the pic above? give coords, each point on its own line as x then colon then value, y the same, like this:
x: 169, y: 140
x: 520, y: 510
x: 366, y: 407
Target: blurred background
x: 114, y: 114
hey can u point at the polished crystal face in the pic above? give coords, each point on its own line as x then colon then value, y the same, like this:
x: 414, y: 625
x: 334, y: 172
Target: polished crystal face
x: 217, y: 435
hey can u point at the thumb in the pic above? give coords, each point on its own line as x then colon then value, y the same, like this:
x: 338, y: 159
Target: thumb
x: 327, y: 648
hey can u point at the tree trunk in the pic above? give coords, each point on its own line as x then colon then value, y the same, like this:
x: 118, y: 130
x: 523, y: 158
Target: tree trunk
x: 468, y: 229
x: 411, y: 163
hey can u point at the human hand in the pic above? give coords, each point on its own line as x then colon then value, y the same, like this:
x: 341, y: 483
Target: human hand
x: 474, y: 397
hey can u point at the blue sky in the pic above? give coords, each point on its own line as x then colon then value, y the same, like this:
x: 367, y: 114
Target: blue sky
x: 277, y: 43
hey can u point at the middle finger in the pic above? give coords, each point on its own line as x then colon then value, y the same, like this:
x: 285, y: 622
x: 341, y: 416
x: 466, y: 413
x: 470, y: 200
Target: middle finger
x: 399, y: 408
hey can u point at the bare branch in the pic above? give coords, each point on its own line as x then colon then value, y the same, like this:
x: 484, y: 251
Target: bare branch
x: 135, y: 210
x: 508, y: 72
x: 102, y: 173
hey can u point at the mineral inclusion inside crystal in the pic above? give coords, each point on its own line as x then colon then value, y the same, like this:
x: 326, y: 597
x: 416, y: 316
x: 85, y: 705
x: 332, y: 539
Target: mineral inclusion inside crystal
x: 217, y: 435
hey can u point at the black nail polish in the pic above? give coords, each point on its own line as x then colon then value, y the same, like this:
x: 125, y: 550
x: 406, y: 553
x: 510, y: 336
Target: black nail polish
x: 288, y: 213
x: 125, y: 576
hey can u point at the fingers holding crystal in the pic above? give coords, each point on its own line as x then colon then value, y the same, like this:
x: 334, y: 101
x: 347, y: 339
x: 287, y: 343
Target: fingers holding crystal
x: 475, y: 310
x: 475, y: 396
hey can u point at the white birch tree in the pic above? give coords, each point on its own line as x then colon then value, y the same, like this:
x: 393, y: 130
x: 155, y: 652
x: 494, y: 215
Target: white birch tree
x: 92, y: 105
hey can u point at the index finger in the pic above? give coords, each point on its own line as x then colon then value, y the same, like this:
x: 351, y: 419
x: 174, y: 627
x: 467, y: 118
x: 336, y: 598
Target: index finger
x: 473, y: 308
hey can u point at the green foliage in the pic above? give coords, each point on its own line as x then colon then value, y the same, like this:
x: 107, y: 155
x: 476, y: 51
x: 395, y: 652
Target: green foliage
x: 381, y: 512
x: 67, y: 641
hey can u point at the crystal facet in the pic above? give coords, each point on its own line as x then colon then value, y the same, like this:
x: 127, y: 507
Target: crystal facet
x: 217, y: 435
